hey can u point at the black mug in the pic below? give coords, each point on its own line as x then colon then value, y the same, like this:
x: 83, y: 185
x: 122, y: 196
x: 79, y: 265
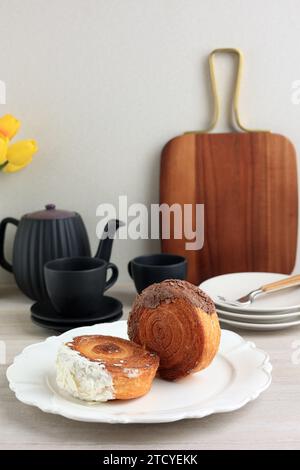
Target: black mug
x: 148, y: 269
x: 76, y: 285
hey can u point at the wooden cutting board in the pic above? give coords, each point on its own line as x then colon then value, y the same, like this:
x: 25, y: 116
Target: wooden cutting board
x: 248, y: 184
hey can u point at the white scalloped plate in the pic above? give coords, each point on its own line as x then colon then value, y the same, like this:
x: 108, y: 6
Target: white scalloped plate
x: 238, y: 374
x: 258, y: 326
x: 234, y: 285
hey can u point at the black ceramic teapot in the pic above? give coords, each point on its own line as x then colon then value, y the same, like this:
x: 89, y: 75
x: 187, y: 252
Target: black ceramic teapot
x: 46, y: 235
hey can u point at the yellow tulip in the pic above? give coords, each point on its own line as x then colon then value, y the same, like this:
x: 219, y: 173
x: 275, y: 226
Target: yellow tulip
x: 10, y: 168
x: 16, y: 156
x: 9, y: 126
x: 20, y: 153
x: 3, y: 149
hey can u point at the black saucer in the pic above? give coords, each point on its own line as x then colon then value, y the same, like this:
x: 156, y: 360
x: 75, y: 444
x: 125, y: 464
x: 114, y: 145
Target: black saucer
x: 108, y: 308
x: 62, y: 327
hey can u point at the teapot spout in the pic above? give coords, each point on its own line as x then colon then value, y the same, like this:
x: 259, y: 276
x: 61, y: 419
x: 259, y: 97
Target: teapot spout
x: 107, y: 239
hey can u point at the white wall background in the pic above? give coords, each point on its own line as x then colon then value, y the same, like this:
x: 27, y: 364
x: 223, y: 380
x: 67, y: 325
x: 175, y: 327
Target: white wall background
x: 103, y: 84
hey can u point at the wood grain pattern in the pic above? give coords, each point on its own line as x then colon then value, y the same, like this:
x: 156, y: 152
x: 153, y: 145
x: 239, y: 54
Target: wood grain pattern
x: 248, y: 184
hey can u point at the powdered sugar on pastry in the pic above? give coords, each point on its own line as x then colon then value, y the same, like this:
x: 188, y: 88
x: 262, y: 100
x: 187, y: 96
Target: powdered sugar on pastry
x: 131, y: 373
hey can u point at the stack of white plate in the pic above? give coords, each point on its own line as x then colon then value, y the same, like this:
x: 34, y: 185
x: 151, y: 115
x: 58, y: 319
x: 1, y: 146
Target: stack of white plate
x: 272, y: 311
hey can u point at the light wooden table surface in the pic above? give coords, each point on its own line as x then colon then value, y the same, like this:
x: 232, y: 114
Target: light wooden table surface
x: 270, y: 422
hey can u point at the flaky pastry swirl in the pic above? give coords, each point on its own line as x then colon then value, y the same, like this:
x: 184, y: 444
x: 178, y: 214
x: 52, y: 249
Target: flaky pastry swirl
x: 179, y: 322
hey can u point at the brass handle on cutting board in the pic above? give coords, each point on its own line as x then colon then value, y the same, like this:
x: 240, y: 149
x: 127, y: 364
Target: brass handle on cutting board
x: 236, y: 94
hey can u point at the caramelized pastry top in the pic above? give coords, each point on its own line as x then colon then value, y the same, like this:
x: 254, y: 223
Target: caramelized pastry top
x: 115, y: 353
x: 171, y: 289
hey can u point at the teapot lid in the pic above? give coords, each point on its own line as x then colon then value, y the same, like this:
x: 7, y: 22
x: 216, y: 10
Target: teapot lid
x: 50, y: 213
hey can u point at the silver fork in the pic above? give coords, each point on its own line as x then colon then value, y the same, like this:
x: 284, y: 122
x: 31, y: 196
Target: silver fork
x: 245, y: 300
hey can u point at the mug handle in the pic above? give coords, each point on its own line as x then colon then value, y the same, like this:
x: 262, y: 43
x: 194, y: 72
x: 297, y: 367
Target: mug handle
x: 115, y: 273
x: 129, y: 267
x: 3, y: 262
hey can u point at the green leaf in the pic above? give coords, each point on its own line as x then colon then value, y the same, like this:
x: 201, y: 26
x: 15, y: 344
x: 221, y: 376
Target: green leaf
x: 3, y: 165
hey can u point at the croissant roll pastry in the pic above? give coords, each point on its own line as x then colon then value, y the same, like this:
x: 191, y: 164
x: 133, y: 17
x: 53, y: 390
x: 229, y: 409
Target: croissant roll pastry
x: 101, y: 368
x: 179, y: 322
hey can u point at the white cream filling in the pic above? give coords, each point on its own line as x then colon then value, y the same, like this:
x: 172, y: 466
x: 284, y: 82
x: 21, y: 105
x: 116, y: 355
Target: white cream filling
x: 82, y: 378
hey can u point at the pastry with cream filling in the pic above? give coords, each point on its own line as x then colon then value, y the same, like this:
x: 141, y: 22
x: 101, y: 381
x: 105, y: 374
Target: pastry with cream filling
x: 101, y: 368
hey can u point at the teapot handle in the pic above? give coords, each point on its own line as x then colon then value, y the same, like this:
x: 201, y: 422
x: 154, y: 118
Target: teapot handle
x: 3, y: 262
